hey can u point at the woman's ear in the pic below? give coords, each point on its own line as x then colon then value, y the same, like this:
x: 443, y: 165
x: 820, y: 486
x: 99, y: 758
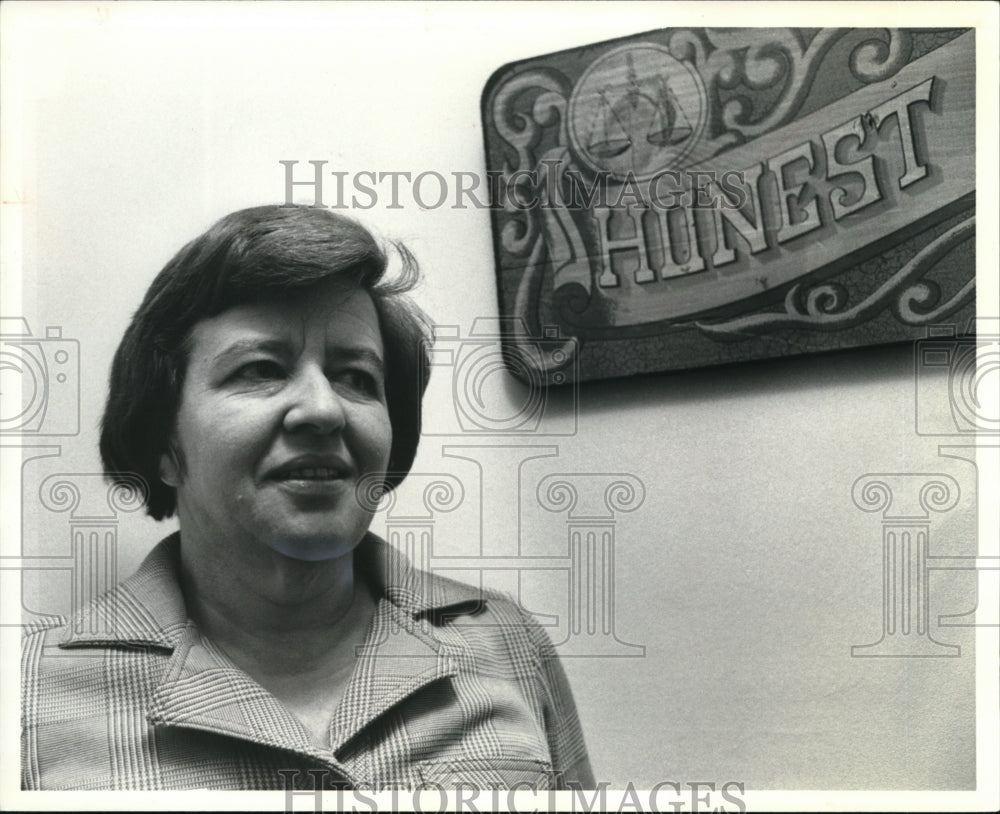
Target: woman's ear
x: 170, y: 468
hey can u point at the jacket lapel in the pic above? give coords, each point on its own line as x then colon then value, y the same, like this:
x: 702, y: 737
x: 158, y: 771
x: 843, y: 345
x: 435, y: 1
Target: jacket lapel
x: 397, y: 659
x: 202, y: 689
x: 401, y: 655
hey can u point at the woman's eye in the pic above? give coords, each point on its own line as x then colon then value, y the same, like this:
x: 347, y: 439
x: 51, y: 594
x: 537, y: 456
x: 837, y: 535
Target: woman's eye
x: 361, y: 380
x: 260, y: 370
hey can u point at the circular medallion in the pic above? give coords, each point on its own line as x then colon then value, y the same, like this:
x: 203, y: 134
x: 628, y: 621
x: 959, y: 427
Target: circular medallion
x: 637, y: 111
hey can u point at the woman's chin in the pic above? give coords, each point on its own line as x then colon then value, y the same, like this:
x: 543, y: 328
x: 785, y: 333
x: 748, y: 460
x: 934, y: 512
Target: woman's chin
x: 306, y: 549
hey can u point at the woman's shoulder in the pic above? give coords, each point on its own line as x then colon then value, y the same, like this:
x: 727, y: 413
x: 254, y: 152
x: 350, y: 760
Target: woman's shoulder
x: 143, y: 610
x: 41, y: 626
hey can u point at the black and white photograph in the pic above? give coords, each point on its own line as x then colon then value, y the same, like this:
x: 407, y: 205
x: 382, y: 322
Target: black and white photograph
x: 499, y: 406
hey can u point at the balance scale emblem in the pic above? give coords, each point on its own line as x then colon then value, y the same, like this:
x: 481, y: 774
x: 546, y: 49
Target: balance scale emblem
x: 637, y: 111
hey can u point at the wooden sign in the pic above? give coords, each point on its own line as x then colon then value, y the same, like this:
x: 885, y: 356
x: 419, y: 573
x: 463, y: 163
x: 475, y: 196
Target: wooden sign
x: 692, y: 197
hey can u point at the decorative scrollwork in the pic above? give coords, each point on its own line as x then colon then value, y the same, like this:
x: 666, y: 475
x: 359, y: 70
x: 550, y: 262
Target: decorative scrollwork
x: 777, y: 66
x: 556, y: 494
x: 372, y: 493
x: 874, y: 59
x: 523, y: 133
x: 823, y: 308
x: 128, y: 492
x: 782, y: 59
x: 871, y: 495
x: 617, y: 491
x: 59, y: 494
x: 626, y: 494
x: 550, y: 108
x: 520, y: 336
x: 443, y: 495
x: 518, y: 236
x: 88, y: 495
x: 905, y: 495
x: 939, y: 495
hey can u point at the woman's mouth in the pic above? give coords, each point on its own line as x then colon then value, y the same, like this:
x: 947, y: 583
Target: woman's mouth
x: 311, y: 473
x: 313, y: 477
x: 313, y: 483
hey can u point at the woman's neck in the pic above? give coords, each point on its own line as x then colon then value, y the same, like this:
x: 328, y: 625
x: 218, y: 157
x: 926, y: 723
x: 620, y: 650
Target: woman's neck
x: 292, y: 626
x: 270, y: 612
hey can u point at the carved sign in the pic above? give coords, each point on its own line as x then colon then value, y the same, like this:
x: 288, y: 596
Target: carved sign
x: 692, y: 197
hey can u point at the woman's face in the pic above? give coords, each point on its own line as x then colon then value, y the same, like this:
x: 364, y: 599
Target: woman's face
x: 282, y: 411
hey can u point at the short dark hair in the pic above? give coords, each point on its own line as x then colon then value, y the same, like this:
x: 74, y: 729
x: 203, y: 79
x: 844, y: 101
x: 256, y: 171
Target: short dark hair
x: 245, y: 257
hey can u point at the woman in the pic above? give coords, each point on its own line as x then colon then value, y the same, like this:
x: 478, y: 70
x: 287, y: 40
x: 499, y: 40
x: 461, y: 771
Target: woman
x: 269, y: 378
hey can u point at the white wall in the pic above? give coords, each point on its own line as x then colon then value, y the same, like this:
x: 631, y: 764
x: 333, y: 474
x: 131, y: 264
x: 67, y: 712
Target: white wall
x: 747, y: 573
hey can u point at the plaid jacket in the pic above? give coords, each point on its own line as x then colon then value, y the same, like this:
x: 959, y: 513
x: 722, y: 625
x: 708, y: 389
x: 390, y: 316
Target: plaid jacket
x: 452, y: 684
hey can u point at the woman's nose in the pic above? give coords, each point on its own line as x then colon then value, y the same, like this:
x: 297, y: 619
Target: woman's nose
x: 315, y: 405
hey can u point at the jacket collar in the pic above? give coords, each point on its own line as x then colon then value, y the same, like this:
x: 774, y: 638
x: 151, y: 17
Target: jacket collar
x: 148, y: 607
x: 416, y: 593
x: 145, y: 609
x: 202, y: 689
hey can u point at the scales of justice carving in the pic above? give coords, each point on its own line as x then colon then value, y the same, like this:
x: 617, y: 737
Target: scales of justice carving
x: 661, y: 121
x: 636, y: 111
